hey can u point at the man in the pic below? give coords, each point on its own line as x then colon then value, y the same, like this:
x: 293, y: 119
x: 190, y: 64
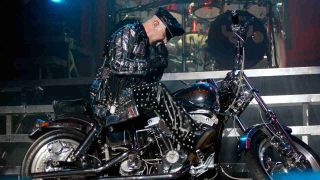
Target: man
x: 127, y: 84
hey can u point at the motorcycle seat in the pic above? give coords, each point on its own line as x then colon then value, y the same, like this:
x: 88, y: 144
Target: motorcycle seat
x: 71, y: 107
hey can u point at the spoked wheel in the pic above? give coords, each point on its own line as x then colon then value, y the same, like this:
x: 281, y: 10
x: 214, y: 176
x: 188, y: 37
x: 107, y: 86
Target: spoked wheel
x: 53, y: 146
x: 264, y: 161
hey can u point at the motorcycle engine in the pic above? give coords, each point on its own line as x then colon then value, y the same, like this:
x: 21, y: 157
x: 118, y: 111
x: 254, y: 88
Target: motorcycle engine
x: 131, y: 166
x: 173, y: 161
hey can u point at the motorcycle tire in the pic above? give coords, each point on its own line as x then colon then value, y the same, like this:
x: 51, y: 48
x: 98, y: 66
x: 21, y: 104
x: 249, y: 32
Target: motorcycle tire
x: 54, y: 145
x: 261, y: 152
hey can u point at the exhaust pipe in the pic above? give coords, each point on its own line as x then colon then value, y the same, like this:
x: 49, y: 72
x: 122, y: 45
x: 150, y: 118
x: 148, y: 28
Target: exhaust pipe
x: 83, y: 172
x: 148, y: 177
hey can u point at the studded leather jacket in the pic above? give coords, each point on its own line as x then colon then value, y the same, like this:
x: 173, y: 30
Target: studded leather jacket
x: 129, y: 60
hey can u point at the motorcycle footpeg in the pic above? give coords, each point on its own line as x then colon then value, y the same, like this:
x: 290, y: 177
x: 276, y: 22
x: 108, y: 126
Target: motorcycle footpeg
x: 200, y: 155
x: 203, y: 166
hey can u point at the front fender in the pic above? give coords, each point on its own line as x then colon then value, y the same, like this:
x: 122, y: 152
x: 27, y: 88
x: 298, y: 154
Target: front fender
x: 61, y: 123
x: 244, y: 142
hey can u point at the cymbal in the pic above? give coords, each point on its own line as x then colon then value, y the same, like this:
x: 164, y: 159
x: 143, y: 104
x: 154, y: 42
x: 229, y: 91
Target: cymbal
x: 221, y: 40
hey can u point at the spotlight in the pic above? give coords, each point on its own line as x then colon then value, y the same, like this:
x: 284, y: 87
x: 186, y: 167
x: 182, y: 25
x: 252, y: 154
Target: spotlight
x: 58, y: 1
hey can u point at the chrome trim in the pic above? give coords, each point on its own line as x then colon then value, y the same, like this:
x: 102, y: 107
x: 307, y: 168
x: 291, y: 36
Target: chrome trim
x: 200, y: 111
x: 83, y: 172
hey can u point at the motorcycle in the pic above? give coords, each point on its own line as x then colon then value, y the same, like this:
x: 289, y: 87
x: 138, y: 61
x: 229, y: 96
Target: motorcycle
x: 80, y: 145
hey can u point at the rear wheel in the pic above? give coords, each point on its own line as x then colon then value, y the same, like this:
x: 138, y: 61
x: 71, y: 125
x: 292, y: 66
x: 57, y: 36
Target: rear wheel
x: 264, y: 161
x: 55, y: 145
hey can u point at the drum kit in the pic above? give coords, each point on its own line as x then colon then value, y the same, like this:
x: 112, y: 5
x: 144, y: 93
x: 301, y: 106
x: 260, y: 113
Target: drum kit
x: 209, y: 42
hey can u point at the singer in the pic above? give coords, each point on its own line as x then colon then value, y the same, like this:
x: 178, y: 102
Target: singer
x: 127, y: 85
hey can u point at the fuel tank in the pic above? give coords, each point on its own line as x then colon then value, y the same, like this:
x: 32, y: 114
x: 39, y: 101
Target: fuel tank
x: 200, y: 95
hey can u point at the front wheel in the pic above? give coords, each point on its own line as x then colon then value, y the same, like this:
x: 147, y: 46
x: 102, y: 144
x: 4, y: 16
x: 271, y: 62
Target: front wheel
x: 264, y: 161
x: 55, y: 145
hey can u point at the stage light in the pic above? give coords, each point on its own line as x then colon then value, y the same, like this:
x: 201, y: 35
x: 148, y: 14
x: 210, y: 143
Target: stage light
x: 194, y: 26
x: 58, y: 1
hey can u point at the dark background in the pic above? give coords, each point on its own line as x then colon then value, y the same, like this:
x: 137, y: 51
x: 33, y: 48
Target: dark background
x: 31, y: 31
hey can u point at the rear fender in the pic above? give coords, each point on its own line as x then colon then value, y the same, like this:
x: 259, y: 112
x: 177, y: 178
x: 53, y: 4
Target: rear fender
x: 78, y: 124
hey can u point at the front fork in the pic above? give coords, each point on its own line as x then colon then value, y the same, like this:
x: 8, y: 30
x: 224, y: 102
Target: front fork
x: 280, y: 135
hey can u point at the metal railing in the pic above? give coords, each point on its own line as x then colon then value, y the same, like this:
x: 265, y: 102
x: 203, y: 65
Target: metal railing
x: 305, y: 100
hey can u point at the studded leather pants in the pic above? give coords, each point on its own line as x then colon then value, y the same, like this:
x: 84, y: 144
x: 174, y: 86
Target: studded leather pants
x: 154, y: 97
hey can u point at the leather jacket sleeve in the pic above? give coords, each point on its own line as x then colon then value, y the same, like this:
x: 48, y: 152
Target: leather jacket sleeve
x: 128, y: 52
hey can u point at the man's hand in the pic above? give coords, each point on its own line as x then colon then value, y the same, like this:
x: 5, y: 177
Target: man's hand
x: 161, y: 49
x: 161, y: 55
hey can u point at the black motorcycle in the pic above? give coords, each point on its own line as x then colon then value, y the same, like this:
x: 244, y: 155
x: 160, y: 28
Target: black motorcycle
x: 76, y: 144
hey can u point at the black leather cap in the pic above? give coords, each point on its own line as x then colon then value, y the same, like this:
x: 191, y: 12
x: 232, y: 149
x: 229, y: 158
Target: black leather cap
x: 174, y: 28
